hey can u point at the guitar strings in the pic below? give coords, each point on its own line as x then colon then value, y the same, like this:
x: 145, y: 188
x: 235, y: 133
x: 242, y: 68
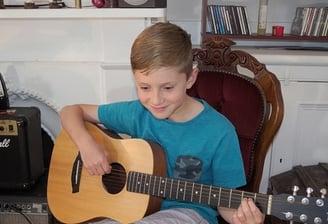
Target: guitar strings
x: 230, y: 197
x: 116, y: 175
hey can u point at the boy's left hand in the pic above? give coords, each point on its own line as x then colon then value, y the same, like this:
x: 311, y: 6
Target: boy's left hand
x: 247, y: 213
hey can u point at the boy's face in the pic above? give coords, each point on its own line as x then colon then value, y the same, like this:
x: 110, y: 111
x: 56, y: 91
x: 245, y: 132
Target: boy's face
x: 163, y: 92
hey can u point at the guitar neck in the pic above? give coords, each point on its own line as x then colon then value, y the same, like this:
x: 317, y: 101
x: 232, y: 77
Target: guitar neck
x: 192, y: 192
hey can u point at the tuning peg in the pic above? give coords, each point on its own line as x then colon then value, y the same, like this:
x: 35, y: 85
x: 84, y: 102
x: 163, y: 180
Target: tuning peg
x: 295, y: 189
x: 309, y: 191
x: 323, y: 192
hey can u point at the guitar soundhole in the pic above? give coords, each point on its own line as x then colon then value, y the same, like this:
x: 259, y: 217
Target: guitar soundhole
x: 114, y: 181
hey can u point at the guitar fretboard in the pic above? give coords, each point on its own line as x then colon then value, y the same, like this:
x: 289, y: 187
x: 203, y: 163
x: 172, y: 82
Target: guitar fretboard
x: 192, y: 192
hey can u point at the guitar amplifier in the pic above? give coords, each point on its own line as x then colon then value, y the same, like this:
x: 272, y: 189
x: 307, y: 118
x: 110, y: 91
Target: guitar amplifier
x: 21, y: 151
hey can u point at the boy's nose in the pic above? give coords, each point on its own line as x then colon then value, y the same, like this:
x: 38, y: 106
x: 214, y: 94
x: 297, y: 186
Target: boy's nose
x: 156, y: 97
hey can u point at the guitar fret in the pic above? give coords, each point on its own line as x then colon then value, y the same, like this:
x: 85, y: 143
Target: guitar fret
x: 192, y: 192
x: 184, y: 192
x: 209, y: 195
x: 214, y: 196
x: 138, y: 182
x: 165, y: 182
x: 135, y: 181
x: 146, y: 184
x: 154, y: 185
x: 230, y: 198
x: 182, y: 188
x: 129, y: 181
x: 142, y: 183
x: 197, y: 190
x: 171, y: 188
x: 153, y: 180
x: 187, y: 191
x: 177, y: 191
x: 128, y: 184
x: 219, y: 200
x: 241, y: 196
x: 158, y: 186
x: 200, y: 193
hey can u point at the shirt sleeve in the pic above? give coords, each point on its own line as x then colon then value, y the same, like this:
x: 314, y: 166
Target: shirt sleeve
x: 119, y: 117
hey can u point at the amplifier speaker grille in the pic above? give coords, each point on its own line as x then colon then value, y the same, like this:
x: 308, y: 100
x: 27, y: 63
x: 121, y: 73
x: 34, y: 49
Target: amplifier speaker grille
x: 17, y: 218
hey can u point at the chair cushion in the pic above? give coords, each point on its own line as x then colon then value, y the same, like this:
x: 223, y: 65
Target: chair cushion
x: 241, y: 100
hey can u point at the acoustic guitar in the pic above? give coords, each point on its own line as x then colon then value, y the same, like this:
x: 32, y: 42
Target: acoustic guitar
x: 137, y: 185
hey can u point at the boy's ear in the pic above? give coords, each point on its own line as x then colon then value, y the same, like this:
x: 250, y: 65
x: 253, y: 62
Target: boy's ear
x: 192, y: 78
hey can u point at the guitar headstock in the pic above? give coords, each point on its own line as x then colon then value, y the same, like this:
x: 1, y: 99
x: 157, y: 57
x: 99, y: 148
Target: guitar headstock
x: 303, y: 209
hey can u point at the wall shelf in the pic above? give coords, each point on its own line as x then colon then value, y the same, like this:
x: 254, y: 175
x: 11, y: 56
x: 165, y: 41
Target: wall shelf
x: 255, y: 37
x: 269, y: 37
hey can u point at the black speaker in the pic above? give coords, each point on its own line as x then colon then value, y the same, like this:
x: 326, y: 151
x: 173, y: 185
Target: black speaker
x: 21, y: 151
x: 142, y: 3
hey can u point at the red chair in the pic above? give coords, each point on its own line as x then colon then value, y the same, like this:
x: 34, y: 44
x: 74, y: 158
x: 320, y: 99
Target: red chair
x: 252, y: 102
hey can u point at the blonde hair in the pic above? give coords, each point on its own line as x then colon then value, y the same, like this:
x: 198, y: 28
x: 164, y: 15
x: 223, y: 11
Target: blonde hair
x: 162, y: 45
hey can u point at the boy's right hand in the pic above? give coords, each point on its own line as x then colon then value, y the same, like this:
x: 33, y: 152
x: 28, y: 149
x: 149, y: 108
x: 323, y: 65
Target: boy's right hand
x: 95, y: 159
x: 94, y: 156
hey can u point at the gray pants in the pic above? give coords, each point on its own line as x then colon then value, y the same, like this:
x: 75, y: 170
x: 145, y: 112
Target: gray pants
x: 170, y: 216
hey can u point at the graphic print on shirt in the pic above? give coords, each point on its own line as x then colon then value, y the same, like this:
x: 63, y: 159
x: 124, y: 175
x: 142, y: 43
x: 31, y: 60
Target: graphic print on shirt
x: 188, y: 168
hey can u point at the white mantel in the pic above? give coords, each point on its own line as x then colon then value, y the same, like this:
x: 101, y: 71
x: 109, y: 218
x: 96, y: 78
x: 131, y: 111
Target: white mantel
x: 280, y: 56
x: 83, y: 13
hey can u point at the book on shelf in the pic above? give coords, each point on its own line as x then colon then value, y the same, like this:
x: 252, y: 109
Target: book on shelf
x: 227, y: 20
x: 310, y: 21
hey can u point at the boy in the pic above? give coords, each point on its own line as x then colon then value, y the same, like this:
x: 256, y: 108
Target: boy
x: 161, y: 60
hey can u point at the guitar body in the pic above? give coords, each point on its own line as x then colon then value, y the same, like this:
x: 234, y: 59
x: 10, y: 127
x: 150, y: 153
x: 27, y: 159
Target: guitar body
x: 137, y: 183
x: 94, y: 197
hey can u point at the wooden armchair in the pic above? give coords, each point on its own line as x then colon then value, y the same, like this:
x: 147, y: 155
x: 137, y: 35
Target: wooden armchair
x: 253, y: 102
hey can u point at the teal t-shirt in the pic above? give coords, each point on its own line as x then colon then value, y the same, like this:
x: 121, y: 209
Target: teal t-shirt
x: 204, y: 149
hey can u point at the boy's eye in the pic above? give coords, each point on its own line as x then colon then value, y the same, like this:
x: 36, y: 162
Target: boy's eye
x: 144, y: 87
x: 168, y: 87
